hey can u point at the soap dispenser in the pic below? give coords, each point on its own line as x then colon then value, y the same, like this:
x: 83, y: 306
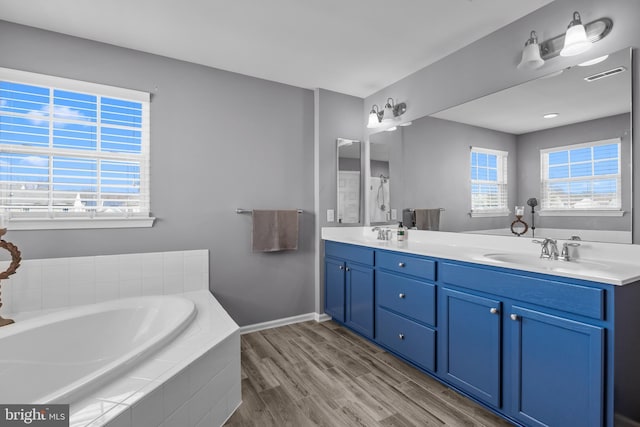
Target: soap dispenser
x: 402, y: 233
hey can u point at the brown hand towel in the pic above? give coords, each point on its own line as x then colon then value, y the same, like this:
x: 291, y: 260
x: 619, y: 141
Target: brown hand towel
x: 428, y: 219
x: 275, y: 230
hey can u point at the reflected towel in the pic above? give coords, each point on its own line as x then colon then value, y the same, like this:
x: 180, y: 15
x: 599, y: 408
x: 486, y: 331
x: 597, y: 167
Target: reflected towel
x: 427, y: 219
x: 408, y: 218
x: 275, y: 230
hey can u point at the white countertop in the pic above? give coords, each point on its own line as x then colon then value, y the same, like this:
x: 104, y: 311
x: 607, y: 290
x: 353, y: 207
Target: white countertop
x: 612, y: 263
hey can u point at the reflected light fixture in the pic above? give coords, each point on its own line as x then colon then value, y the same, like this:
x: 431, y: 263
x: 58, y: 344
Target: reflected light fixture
x: 569, y: 43
x: 593, y: 61
x: 575, y: 39
x: 531, y: 54
x: 551, y: 115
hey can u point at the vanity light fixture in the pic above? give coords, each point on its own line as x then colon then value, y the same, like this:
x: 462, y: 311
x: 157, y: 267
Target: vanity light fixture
x: 375, y: 116
x: 567, y: 44
x: 531, y: 54
x: 575, y: 39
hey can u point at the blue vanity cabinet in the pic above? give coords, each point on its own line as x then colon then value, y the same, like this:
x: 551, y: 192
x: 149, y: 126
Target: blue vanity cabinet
x: 406, y: 307
x: 536, y: 342
x: 471, y: 344
x: 557, y: 369
x: 349, y: 286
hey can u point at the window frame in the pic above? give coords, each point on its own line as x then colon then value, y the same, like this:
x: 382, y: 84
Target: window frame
x: 545, y: 210
x: 71, y: 220
x: 502, y: 160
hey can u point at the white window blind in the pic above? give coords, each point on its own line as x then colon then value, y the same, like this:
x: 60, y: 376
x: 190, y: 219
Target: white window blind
x: 582, y: 177
x: 72, y: 149
x: 488, y: 182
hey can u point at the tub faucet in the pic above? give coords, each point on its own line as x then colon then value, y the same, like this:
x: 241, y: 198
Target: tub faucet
x: 549, y: 248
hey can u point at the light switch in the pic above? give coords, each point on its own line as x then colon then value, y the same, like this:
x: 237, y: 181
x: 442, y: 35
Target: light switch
x: 394, y: 214
x: 331, y: 216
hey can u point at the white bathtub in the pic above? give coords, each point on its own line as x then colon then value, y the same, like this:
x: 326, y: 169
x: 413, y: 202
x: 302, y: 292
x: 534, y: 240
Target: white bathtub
x: 70, y: 353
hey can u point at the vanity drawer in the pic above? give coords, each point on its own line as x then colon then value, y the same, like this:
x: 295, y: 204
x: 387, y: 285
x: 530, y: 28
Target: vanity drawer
x: 406, y: 296
x: 407, y: 264
x: 347, y: 252
x: 564, y: 296
x: 409, y: 339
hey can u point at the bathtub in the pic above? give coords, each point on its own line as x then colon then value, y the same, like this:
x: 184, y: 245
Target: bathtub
x: 70, y: 353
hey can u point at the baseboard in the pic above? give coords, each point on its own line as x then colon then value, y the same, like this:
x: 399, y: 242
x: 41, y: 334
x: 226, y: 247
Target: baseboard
x: 283, y: 322
x: 622, y: 421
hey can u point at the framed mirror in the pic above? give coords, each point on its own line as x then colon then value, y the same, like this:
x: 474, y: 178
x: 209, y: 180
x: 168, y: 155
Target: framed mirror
x: 559, y: 160
x: 349, y: 179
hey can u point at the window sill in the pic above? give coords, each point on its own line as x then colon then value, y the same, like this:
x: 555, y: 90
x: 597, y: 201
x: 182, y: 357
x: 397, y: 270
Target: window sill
x: 78, y: 223
x: 580, y: 213
x: 488, y: 214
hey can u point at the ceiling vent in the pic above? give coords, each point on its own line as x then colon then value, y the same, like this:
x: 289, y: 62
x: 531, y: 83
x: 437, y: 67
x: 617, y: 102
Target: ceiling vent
x: 604, y: 74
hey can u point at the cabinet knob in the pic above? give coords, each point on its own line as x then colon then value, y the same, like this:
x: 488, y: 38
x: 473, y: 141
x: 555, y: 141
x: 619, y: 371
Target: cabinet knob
x: 514, y: 317
x: 401, y: 295
x: 401, y: 264
x: 401, y: 336
x: 348, y: 269
x: 493, y: 310
x: 341, y: 267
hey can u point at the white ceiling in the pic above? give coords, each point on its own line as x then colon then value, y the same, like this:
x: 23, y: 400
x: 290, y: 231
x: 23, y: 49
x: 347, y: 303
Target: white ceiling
x: 355, y: 47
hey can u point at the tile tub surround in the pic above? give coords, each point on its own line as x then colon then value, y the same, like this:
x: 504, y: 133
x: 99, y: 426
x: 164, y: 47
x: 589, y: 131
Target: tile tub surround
x: 44, y: 284
x: 193, y: 382
x: 622, y: 258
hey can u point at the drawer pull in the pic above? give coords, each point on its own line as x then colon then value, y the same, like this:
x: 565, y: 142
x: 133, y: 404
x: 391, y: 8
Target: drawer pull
x: 401, y: 296
x: 401, y: 264
x: 341, y: 267
x: 493, y: 310
x: 514, y: 317
x: 401, y: 336
x: 348, y: 269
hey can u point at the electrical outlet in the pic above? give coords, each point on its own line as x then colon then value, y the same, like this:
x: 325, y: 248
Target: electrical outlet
x: 331, y: 216
x: 394, y: 214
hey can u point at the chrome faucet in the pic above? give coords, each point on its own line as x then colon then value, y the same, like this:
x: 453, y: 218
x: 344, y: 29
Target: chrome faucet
x: 549, y: 248
x: 564, y: 256
x: 383, y: 233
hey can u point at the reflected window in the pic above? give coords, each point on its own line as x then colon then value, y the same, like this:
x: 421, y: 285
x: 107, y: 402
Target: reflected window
x: 582, y: 177
x: 488, y: 182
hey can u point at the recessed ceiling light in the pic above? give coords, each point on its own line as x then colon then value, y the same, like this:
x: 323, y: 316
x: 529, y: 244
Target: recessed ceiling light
x: 551, y: 115
x: 593, y: 61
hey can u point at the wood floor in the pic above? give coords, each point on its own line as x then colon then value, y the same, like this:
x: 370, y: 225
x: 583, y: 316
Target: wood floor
x: 321, y: 374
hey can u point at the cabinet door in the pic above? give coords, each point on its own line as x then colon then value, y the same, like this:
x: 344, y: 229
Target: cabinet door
x: 557, y: 370
x: 334, y: 282
x: 359, y: 302
x: 470, y: 344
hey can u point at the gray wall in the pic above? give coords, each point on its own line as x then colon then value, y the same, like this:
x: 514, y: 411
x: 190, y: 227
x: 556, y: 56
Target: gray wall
x: 489, y: 64
x: 436, y: 170
x: 219, y: 141
x: 530, y: 144
x: 337, y: 116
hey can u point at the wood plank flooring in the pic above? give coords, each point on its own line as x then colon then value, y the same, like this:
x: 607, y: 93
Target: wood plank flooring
x: 321, y: 374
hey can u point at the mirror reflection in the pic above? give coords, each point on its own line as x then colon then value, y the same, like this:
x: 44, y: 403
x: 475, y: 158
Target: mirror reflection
x: 562, y: 140
x: 349, y: 173
x: 379, y: 184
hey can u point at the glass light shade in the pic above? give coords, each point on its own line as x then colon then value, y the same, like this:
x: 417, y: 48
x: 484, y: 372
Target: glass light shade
x: 388, y: 113
x: 575, y: 41
x: 519, y: 210
x: 373, y: 120
x: 531, y: 57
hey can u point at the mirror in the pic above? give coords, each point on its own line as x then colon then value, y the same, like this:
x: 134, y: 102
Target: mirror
x: 434, y: 167
x: 349, y: 173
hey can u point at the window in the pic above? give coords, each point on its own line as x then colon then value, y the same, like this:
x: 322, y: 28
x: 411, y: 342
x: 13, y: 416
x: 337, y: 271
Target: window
x: 582, y: 177
x: 488, y: 182
x: 72, y: 150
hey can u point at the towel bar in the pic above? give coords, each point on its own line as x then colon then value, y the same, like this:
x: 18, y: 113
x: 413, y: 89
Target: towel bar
x: 244, y: 211
x: 413, y: 210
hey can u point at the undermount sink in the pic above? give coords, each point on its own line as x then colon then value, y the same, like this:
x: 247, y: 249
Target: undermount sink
x: 574, y: 266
